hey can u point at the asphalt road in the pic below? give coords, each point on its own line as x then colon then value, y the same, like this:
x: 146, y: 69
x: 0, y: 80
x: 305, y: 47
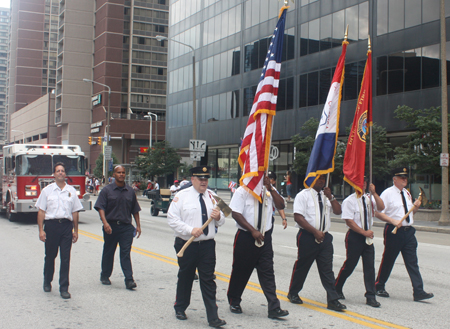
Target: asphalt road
x: 23, y: 303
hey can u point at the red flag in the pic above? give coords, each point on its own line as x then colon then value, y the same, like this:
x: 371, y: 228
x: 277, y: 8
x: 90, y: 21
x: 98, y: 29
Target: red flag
x: 355, y: 155
x: 255, y: 147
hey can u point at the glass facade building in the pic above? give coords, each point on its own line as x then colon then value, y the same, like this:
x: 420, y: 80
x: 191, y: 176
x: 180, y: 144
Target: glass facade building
x: 230, y: 38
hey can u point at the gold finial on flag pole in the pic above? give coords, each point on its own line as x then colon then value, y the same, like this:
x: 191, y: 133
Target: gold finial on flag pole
x: 286, y: 6
x: 370, y: 46
x: 346, y: 33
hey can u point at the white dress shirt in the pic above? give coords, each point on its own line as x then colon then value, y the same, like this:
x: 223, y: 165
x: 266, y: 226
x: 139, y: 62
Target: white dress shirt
x: 393, y: 204
x: 352, y: 207
x: 305, y: 204
x: 245, y: 203
x: 185, y: 214
x: 59, y: 203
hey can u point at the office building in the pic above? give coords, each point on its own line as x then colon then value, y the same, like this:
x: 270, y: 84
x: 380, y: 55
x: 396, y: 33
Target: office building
x: 4, y: 32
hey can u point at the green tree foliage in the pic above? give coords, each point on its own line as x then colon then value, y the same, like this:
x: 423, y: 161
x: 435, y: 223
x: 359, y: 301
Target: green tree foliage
x: 162, y: 159
x: 424, y: 146
x: 304, y: 145
x: 98, y: 170
x: 183, y: 170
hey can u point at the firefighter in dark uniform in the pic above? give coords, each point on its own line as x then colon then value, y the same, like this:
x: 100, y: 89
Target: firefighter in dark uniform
x: 397, y: 201
x: 190, y: 208
x: 247, y: 211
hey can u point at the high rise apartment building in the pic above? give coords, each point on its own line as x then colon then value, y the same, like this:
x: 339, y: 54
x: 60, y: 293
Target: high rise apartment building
x: 55, y: 44
x: 4, y: 26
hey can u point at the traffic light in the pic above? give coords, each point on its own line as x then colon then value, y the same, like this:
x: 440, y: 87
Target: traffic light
x: 90, y: 140
x: 99, y: 140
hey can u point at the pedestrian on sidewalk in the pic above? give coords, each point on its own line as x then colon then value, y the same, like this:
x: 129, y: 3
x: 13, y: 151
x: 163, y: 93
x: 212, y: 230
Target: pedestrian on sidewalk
x: 398, y: 202
x: 116, y: 204
x: 57, y: 220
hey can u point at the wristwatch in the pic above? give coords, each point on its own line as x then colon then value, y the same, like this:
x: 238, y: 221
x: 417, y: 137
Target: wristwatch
x: 332, y: 198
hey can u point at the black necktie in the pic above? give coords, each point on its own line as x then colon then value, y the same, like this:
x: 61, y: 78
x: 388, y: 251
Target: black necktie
x: 404, y: 205
x: 204, y: 213
x: 259, y: 215
x: 366, y: 223
x: 322, y: 220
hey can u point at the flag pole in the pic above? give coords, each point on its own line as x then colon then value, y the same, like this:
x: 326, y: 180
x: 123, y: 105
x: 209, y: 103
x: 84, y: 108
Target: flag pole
x: 369, y: 241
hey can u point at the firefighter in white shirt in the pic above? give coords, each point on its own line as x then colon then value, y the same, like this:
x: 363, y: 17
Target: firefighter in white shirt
x: 188, y: 211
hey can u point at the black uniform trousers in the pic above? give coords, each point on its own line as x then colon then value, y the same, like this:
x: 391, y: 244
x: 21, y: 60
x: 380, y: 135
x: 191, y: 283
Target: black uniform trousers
x: 308, y: 252
x: 58, y: 236
x: 405, y: 242
x: 199, y: 255
x: 357, y: 247
x: 246, y: 257
x: 122, y: 234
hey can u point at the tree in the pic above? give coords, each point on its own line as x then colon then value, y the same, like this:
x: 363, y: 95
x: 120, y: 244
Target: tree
x: 183, y: 169
x: 158, y: 161
x: 98, y: 170
x: 304, y: 145
x: 424, y: 146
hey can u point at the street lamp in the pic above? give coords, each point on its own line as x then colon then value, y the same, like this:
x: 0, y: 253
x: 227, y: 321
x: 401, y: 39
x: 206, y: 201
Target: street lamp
x: 194, y: 95
x: 156, y: 119
x: 108, y: 114
x: 23, y: 134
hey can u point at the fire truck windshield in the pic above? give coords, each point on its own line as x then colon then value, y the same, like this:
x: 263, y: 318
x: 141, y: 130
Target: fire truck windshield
x: 33, y: 164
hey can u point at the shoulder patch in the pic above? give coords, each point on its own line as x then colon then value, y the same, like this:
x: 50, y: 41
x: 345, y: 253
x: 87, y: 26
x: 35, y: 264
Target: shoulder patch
x: 175, y: 199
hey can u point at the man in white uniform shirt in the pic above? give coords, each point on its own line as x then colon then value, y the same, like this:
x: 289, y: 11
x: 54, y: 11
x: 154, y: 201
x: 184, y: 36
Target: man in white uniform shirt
x: 312, y: 214
x: 247, y: 212
x: 398, y: 202
x: 188, y: 211
x: 358, y: 240
x: 57, y: 220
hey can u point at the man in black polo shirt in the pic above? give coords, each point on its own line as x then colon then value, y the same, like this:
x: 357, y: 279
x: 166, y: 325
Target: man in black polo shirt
x: 115, y: 205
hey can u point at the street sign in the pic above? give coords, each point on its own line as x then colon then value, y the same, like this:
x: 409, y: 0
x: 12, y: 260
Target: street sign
x: 197, y: 145
x: 274, y: 153
x: 444, y: 159
x: 196, y: 156
x: 108, y: 151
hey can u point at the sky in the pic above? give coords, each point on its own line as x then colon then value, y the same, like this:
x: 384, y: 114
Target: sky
x: 4, y: 3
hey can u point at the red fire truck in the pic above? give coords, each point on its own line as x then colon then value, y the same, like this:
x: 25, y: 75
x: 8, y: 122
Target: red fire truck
x: 28, y: 168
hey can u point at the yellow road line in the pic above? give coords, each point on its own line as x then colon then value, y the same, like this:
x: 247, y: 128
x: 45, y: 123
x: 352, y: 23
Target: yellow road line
x: 308, y: 303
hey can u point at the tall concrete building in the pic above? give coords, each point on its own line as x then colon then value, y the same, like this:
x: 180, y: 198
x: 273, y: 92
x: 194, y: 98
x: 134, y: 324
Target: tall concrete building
x: 56, y: 44
x: 230, y: 39
x: 129, y: 60
x: 4, y: 32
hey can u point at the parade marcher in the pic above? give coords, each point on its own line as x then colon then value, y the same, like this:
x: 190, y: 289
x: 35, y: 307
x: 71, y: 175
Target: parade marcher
x: 398, y: 202
x: 358, y: 217
x: 175, y: 188
x: 312, y: 215
x: 247, y: 212
x: 189, y: 210
x: 115, y: 205
x: 57, y: 219
x: 273, y: 181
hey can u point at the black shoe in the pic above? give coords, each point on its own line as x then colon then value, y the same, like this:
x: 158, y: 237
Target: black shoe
x: 294, y: 299
x: 422, y: 296
x: 180, y: 315
x: 106, y: 281
x: 382, y: 293
x: 372, y: 302
x: 47, y: 287
x: 214, y: 277
x: 236, y: 309
x: 130, y: 284
x: 65, y: 295
x: 277, y: 313
x: 341, y: 296
x: 336, y: 305
x: 195, y: 276
x: 217, y: 323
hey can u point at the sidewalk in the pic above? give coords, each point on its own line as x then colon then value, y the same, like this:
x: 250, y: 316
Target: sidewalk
x: 425, y: 226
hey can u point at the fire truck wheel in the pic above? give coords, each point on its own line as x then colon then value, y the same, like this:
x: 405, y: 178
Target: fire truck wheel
x: 11, y: 217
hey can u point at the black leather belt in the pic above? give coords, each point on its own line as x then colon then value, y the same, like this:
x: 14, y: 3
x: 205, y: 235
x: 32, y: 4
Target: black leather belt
x: 59, y: 220
x: 180, y: 240
x: 403, y: 228
x: 117, y: 222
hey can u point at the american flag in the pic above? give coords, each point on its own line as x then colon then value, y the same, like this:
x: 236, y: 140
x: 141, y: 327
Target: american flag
x: 255, y: 147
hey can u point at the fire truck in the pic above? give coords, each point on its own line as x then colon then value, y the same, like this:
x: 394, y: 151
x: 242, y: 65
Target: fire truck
x: 28, y: 168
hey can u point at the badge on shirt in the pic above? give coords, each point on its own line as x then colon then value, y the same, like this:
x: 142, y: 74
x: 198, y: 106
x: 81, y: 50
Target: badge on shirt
x: 175, y: 199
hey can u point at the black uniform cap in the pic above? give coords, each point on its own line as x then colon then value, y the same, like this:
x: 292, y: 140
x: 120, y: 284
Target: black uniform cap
x: 402, y: 171
x: 200, y: 172
x: 272, y: 175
